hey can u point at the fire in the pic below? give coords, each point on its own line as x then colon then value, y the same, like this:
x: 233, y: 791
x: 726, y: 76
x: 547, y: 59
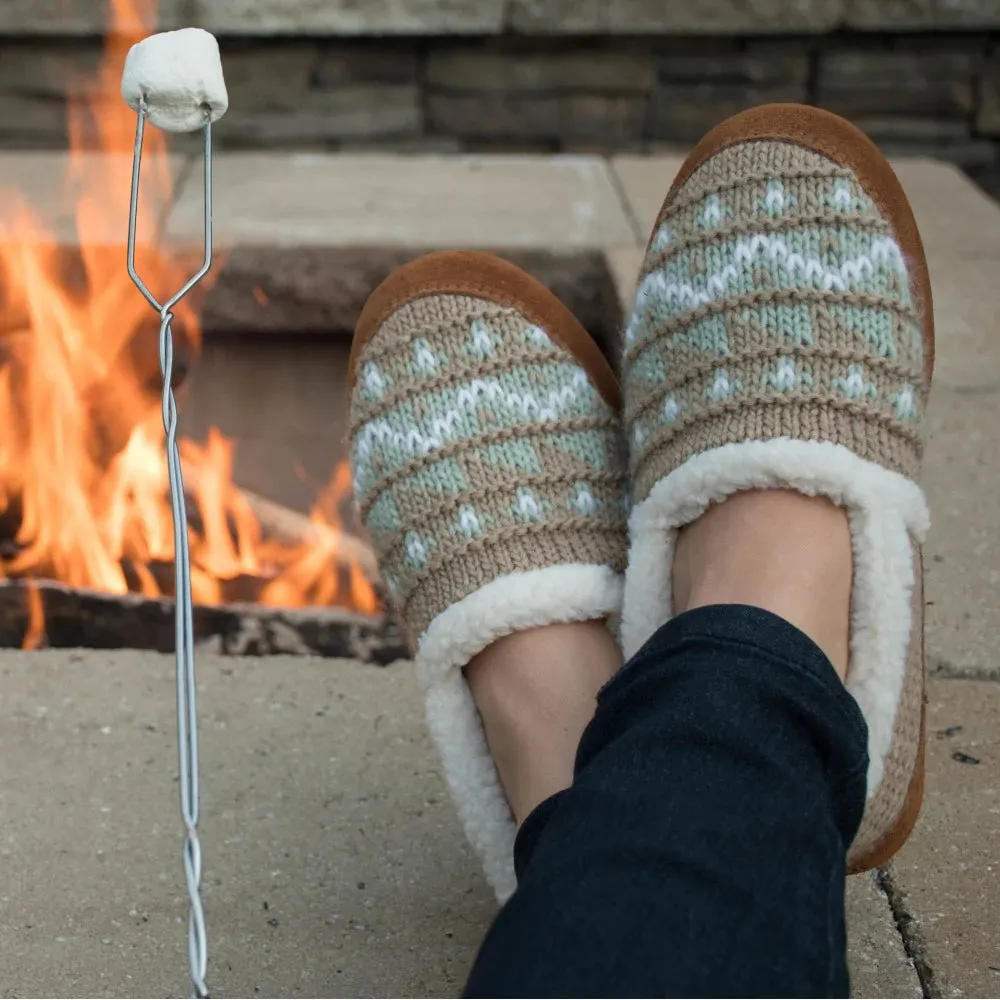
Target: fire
x: 83, y: 487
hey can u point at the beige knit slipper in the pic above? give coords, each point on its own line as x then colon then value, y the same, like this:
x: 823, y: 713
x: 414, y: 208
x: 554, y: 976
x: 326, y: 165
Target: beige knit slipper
x: 490, y: 473
x: 783, y: 336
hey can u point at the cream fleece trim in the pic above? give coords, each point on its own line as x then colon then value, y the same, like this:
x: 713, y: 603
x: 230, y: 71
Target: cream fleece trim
x: 508, y: 604
x: 885, y: 510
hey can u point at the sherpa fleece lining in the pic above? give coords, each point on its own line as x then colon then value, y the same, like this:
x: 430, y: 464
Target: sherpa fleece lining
x: 884, y: 509
x: 510, y: 603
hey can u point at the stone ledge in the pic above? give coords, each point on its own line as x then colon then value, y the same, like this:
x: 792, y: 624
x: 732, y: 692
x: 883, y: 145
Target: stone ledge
x: 722, y: 18
x: 441, y: 17
x: 285, y: 292
x: 523, y: 202
x: 78, y: 17
x: 47, y: 187
x: 921, y: 15
x: 351, y: 17
x: 719, y: 17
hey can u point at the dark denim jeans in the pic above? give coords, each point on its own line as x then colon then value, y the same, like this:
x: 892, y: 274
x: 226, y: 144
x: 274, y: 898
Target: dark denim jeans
x: 701, y: 849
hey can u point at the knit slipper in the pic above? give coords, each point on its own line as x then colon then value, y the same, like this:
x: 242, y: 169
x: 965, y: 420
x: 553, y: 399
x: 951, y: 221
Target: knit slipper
x: 783, y: 336
x: 490, y: 472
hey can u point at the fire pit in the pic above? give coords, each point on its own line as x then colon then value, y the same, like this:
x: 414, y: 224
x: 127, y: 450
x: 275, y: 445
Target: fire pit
x: 85, y: 535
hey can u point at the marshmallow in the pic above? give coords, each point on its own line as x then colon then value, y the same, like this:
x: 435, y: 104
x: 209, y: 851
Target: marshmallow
x: 179, y: 75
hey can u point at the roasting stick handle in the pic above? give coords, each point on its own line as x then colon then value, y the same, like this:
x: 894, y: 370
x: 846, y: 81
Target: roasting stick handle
x: 175, y: 80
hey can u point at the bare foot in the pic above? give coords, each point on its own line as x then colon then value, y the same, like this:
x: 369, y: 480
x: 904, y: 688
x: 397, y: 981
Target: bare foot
x: 774, y: 549
x: 536, y: 691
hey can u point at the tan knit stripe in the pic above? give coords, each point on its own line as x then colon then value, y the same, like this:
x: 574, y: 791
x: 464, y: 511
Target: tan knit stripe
x: 763, y: 298
x: 748, y: 401
x: 683, y: 201
x: 379, y: 348
x: 869, y: 440
x: 466, y: 574
x: 562, y: 425
x: 451, y: 504
x: 746, y: 227
x: 576, y: 523
x: 435, y: 383
x: 695, y: 370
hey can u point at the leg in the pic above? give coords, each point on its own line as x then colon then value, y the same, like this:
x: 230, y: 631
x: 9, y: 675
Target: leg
x: 489, y: 472
x: 536, y: 691
x: 700, y: 850
x: 775, y: 369
x: 777, y: 550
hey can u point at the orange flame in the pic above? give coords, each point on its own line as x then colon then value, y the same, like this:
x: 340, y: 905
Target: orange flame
x: 82, y: 468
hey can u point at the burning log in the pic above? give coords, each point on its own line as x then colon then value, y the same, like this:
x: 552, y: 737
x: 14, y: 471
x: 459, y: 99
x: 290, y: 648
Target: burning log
x: 289, y: 527
x: 76, y: 618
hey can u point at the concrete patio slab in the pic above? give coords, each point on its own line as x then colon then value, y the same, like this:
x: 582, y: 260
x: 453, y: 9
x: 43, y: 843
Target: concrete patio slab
x: 421, y: 201
x: 953, y: 213
x: 946, y: 881
x: 961, y: 473
x: 334, y: 862
x: 49, y: 184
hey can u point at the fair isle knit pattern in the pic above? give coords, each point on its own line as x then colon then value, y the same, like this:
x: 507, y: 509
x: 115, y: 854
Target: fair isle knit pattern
x: 479, y: 447
x: 773, y: 302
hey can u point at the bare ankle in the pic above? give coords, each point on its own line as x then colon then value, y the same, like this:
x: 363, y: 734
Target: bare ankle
x: 774, y: 549
x: 536, y: 692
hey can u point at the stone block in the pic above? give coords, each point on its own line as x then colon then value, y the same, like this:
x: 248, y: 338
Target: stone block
x: 722, y: 17
x: 362, y: 62
x: 324, y: 117
x: 86, y: 17
x: 48, y: 69
x: 932, y: 15
x: 349, y: 17
x: 417, y: 145
x: 35, y: 77
x: 271, y: 78
x: 28, y: 122
x: 557, y: 17
x: 916, y: 80
x: 566, y: 120
x: 943, y: 139
x: 683, y: 112
x: 700, y: 85
x: 475, y: 69
x: 762, y: 64
x: 988, y: 114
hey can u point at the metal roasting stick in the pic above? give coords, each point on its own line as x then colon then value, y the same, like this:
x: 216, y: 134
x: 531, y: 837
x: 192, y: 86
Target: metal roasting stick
x: 187, y: 719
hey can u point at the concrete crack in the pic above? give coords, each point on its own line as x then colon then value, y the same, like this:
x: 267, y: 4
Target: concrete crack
x: 909, y: 931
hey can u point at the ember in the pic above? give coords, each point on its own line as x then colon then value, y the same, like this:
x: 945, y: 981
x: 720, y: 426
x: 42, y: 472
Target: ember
x: 83, y: 490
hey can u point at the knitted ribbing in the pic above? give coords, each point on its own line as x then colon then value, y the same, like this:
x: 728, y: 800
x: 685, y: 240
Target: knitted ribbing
x: 773, y: 302
x: 479, y: 447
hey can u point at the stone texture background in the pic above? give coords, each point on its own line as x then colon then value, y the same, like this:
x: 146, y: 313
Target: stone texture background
x: 920, y: 76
